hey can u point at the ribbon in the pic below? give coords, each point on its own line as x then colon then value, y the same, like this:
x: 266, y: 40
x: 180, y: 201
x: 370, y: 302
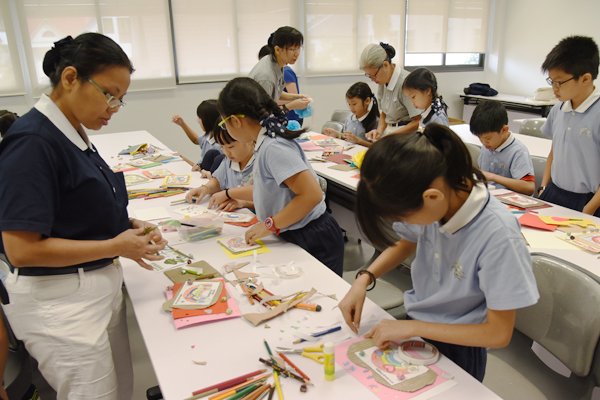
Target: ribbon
x: 275, y: 124
x: 63, y: 42
x: 438, y: 106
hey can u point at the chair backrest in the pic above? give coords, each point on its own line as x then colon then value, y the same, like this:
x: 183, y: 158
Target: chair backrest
x: 532, y: 127
x: 539, y: 164
x: 340, y: 115
x: 338, y: 126
x: 565, y: 320
x: 475, y: 152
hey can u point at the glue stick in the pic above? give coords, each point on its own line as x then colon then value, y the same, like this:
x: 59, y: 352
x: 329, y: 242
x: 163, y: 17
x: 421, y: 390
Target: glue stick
x: 329, y: 353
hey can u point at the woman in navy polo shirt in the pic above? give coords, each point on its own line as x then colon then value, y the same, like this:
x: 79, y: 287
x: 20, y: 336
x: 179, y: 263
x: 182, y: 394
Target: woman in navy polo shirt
x: 63, y: 219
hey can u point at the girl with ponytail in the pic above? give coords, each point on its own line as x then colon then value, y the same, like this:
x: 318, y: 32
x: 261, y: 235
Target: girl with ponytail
x: 421, y: 88
x: 472, y: 269
x: 287, y: 196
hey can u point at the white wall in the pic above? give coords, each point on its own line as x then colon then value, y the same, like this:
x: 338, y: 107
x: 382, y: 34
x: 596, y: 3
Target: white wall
x: 523, y: 32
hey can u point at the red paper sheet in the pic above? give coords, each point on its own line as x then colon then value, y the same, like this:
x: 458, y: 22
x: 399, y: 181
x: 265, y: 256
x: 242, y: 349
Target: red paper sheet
x: 533, y: 221
x: 245, y: 224
x: 339, y: 158
x: 218, y: 308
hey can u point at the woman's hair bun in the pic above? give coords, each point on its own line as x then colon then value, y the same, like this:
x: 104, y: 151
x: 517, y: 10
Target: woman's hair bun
x: 389, y: 50
x: 52, y: 57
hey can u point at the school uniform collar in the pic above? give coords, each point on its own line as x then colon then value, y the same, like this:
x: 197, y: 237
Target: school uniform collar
x: 394, y: 79
x: 361, y: 119
x: 46, y: 106
x: 507, y: 142
x: 470, y: 209
x: 260, y: 139
x: 236, y: 165
x: 211, y: 140
x: 587, y: 103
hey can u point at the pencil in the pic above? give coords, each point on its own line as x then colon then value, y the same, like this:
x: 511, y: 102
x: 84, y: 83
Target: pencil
x: 251, y: 301
x: 201, y: 395
x: 277, y: 385
x: 255, y: 394
x: 282, y: 370
x: 323, y: 333
x: 244, y: 391
x: 231, y: 391
x: 302, y: 374
x: 232, y: 382
x: 271, y: 391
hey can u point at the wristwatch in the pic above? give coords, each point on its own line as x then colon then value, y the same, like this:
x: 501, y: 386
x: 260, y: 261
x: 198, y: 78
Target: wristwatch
x: 270, y: 225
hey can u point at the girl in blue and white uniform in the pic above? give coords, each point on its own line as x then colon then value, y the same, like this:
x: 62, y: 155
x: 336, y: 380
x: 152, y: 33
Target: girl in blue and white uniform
x: 421, y: 88
x: 472, y: 269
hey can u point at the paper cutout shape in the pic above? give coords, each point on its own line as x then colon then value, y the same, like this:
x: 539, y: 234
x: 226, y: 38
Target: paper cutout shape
x: 343, y: 167
x: 563, y: 221
x: 533, y: 221
x: 177, y: 180
x: 135, y: 179
x: 237, y: 244
x: 244, y: 275
x: 177, y: 276
x: 200, y: 294
x: 339, y: 158
x: 586, y: 241
x: 366, y: 377
x: 232, y: 217
x: 258, y: 318
x: 158, y: 173
x: 319, y: 137
x: 310, y: 146
x: 520, y: 200
x: 356, y: 176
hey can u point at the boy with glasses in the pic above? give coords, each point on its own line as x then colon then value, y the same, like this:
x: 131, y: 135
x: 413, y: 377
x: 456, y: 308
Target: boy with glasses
x: 572, y: 173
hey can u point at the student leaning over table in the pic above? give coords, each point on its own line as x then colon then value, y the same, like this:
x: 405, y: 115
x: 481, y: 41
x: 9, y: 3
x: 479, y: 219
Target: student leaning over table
x: 287, y: 196
x: 572, y: 174
x: 398, y: 115
x: 472, y: 269
x: 63, y: 218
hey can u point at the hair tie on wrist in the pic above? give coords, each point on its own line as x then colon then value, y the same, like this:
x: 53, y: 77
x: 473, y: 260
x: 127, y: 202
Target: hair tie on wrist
x: 371, y: 276
x: 227, y: 194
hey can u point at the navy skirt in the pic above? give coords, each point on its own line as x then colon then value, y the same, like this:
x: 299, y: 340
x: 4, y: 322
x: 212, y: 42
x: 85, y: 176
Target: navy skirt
x: 574, y: 201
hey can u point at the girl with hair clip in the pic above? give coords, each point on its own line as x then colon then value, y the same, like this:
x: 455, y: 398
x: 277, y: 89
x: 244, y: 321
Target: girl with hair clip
x: 63, y: 217
x: 472, y: 269
x: 210, y: 151
x: 397, y: 113
x: 285, y: 45
x: 421, y: 88
x: 287, y: 196
x: 364, y: 117
x: 232, y: 181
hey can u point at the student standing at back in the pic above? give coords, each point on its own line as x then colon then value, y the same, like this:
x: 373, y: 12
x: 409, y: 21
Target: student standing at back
x: 572, y: 173
x: 285, y: 44
x: 287, y: 196
x: 504, y: 159
x: 421, y: 88
x: 364, y: 117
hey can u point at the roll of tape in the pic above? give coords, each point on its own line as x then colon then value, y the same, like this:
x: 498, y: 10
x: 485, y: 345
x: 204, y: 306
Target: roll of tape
x: 421, y: 345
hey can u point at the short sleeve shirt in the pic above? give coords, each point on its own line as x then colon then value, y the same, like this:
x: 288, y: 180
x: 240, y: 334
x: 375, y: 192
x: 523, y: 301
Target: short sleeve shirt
x: 510, y: 160
x: 438, y: 117
x: 207, y: 143
x: 54, y: 182
x: 278, y: 159
x: 392, y: 100
x: 575, y: 144
x: 477, y: 260
x: 268, y: 74
x: 230, y: 176
x: 355, y: 125
x: 289, y: 76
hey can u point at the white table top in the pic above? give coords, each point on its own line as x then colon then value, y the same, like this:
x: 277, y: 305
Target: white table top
x: 510, y: 98
x: 232, y: 348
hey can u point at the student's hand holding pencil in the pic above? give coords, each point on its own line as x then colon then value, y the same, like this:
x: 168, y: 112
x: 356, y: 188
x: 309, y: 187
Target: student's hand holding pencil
x: 199, y: 191
x: 138, y: 244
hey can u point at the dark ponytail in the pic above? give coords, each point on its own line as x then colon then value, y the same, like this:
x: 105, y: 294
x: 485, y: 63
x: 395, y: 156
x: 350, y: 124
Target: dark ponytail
x: 245, y: 96
x: 422, y: 79
x: 209, y: 115
x: 389, y: 50
x: 88, y: 53
x: 363, y: 92
x: 398, y: 169
x: 286, y: 36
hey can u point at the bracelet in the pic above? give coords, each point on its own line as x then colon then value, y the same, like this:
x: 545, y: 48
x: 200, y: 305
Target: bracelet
x: 541, y: 188
x: 284, y: 108
x: 207, y: 188
x: 227, y: 194
x: 371, y: 276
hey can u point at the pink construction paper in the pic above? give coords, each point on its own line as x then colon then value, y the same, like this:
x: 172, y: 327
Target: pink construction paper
x: 319, y: 137
x: 310, y: 146
x: 205, y: 319
x: 365, y: 375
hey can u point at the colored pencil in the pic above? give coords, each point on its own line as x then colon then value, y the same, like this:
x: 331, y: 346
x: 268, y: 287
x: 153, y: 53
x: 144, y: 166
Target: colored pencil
x: 201, y: 395
x: 318, y: 334
x: 244, y: 391
x: 254, y: 395
x: 249, y: 298
x: 281, y: 370
x: 231, y: 391
x: 230, y: 383
x: 271, y: 391
x: 287, y: 360
x: 277, y: 385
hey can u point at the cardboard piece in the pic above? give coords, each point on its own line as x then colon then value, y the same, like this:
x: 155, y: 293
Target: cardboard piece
x: 177, y: 276
x: 258, y: 318
x: 343, y: 167
x: 533, y: 221
x: 244, y: 275
x: 339, y: 158
x: 194, y: 296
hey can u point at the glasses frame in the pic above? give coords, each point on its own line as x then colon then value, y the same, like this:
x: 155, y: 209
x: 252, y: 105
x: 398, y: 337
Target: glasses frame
x: 109, y: 97
x: 375, y: 75
x: 557, y: 84
x: 222, y: 123
x: 295, y: 49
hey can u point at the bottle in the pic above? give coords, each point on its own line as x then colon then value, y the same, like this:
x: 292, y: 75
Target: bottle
x: 329, y: 353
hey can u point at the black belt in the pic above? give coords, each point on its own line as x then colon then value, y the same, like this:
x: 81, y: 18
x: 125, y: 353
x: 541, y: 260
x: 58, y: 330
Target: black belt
x: 400, y: 123
x: 45, y: 271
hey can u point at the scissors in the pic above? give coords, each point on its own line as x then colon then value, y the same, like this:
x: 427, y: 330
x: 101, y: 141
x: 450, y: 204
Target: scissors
x: 314, y: 352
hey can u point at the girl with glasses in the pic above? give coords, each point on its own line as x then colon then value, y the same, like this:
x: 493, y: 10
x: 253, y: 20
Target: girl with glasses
x: 287, y: 196
x: 285, y: 45
x: 64, y: 223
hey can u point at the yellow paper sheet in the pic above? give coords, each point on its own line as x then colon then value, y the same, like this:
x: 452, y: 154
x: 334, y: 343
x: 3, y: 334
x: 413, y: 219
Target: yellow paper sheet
x: 263, y: 249
x: 545, y: 240
x: 564, y: 221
